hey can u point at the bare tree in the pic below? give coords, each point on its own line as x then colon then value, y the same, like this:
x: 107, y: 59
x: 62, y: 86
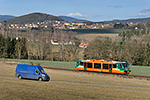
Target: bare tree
x: 18, y: 47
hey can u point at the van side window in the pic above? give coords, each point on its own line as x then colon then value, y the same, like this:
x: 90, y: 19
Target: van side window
x: 37, y: 72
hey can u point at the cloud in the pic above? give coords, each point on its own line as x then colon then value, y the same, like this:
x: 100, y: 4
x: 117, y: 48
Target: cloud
x: 76, y: 15
x: 143, y: 13
x: 145, y: 10
x: 115, y: 6
x: 140, y: 15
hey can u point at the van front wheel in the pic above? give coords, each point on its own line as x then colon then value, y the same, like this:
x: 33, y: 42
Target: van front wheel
x: 40, y: 79
x: 20, y: 77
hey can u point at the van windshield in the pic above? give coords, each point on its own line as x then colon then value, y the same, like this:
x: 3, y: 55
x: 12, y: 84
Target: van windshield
x: 42, y: 70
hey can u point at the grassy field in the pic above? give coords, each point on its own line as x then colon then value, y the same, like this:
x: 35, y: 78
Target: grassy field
x: 57, y: 64
x: 15, y: 89
x: 91, y: 34
x: 140, y: 70
x: 135, y: 70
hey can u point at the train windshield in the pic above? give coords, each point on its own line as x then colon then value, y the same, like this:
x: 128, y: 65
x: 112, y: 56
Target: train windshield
x: 124, y: 66
x: 79, y: 63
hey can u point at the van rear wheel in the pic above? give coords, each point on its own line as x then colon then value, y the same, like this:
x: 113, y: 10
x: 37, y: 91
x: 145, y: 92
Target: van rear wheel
x: 20, y: 77
x: 40, y: 79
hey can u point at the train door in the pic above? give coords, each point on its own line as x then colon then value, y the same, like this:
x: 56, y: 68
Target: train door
x: 85, y: 66
x: 110, y: 68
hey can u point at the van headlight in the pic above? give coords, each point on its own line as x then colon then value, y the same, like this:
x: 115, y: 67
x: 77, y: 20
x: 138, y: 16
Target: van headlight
x: 43, y: 75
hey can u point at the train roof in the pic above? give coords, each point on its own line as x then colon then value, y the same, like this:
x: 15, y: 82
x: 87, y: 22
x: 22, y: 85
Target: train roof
x: 101, y: 60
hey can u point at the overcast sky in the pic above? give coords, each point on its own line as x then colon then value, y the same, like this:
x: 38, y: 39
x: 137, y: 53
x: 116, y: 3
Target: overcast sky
x: 93, y: 10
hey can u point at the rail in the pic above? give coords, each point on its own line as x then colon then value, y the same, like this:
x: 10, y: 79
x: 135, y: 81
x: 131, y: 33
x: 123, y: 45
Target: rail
x: 100, y: 73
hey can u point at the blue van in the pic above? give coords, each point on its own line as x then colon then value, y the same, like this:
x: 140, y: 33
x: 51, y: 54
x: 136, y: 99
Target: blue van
x: 31, y: 72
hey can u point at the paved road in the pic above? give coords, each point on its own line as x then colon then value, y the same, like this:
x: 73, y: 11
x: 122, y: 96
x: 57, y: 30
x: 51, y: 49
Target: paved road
x: 86, y: 83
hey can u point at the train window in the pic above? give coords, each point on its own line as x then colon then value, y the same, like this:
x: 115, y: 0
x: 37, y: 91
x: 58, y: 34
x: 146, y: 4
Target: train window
x: 81, y: 63
x: 105, y: 66
x: 114, y: 65
x: 89, y: 65
x: 96, y: 65
x: 120, y: 66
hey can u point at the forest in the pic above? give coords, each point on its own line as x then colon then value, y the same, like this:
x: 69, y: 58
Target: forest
x: 35, y: 44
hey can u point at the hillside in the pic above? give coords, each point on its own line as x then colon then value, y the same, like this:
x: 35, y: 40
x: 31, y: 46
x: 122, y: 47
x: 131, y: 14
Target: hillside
x: 40, y: 17
x: 136, y: 20
x: 6, y: 17
x: 66, y: 18
x: 33, y: 18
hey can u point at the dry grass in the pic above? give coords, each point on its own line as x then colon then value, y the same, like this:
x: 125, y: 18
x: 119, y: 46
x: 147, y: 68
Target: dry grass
x: 7, y: 69
x: 91, y: 37
x: 95, y: 78
x: 27, y: 90
x: 15, y: 89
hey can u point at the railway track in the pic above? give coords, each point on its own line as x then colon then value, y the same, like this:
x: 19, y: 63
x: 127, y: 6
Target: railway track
x: 100, y: 73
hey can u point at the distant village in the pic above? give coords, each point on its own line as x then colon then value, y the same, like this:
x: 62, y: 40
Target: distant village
x: 65, y: 25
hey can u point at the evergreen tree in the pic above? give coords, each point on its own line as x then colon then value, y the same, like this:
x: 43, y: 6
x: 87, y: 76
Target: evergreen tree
x: 148, y: 31
x: 9, y: 47
x: 146, y: 61
x: 23, y: 48
x: 14, y: 41
x: 1, y: 45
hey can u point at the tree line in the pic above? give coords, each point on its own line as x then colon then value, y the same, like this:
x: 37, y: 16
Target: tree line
x: 36, y: 45
x: 16, y: 48
x: 127, y: 47
x: 130, y: 33
x: 131, y: 46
